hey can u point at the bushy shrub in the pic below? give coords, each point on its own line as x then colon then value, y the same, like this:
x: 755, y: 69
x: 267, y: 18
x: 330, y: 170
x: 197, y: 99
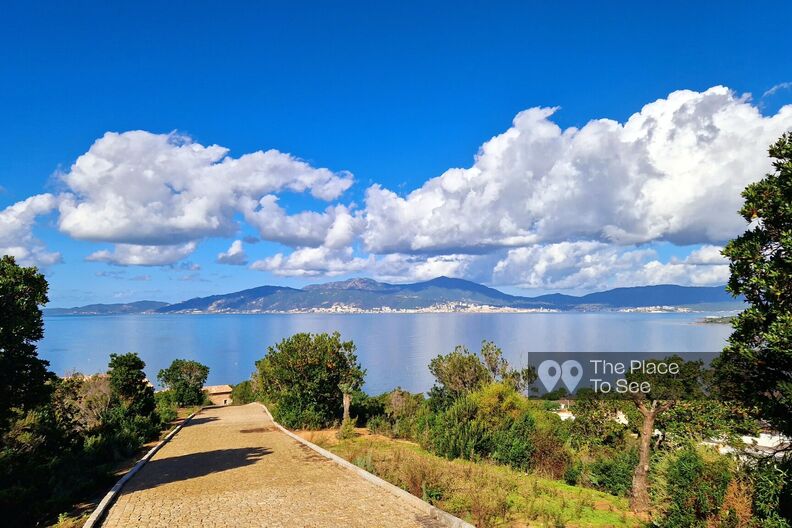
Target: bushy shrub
x: 694, y: 482
x: 380, y: 425
x: 243, y: 393
x: 347, y: 429
x: 458, y: 433
x: 364, y: 407
x: 771, y: 493
x: 513, y: 445
x: 613, y: 471
x: 289, y: 413
x: 306, y: 375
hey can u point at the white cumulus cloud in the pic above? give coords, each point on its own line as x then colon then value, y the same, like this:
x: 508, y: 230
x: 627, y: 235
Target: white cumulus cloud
x: 309, y: 262
x: 334, y: 228
x: 143, y: 255
x: 163, y: 189
x: 671, y: 172
x: 16, y: 231
x: 594, y: 265
x: 235, y: 255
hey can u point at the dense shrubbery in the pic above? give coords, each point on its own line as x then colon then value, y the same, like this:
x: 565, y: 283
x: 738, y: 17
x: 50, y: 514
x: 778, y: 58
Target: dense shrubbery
x: 243, y: 393
x: 59, y: 437
x: 613, y: 470
x: 185, y: 379
x: 90, y: 423
x: 307, y: 376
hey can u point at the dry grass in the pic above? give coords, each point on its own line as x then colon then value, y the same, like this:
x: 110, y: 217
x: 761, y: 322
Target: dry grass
x: 486, y: 494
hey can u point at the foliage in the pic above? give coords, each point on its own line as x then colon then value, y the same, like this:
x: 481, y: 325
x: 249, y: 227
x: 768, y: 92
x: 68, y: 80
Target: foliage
x: 693, y: 481
x: 613, y: 471
x: 597, y: 420
x: 24, y: 378
x: 771, y: 492
x: 129, y: 383
x: 364, y: 407
x: 243, y: 393
x: 462, y: 372
x: 458, y: 433
x: 483, y: 493
x: 347, y: 429
x: 513, y: 445
x: 305, y: 376
x: 756, y: 366
x: 186, y: 379
x: 166, y: 406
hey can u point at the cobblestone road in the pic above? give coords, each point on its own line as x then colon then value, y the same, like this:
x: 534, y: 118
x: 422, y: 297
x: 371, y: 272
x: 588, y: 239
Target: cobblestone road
x: 231, y: 467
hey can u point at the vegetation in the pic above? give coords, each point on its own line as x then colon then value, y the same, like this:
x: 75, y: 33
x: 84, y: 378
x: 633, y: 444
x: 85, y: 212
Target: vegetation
x: 756, y: 366
x: 48, y: 425
x: 185, y: 378
x: 486, y: 494
x: 243, y: 393
x: 479, y: 414
x: 309, y: 377
x: 25, y: 381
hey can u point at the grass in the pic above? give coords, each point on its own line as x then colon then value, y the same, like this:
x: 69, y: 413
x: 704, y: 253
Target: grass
x: 485, y: 494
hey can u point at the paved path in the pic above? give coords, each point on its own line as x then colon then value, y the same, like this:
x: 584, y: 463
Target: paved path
x: 231, y: 467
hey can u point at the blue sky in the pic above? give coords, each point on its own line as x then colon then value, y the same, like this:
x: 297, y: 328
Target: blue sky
x: 395, y: 94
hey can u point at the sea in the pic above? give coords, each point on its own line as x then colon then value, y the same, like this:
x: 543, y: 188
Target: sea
x: 395, y: 349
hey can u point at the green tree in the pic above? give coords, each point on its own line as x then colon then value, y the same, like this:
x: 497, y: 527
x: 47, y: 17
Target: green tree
x: 130, y: 385
x: 23, y: 376
x: 243, y: 393
x: 186, y: 379
x: 756, y: 366
x: 306, y: 375
x: 462, y: 371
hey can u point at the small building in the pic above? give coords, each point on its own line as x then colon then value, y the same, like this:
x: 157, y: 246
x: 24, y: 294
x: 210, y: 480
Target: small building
x: 219, y: 394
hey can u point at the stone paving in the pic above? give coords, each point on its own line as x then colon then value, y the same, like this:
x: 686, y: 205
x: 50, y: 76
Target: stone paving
x: 231, y: 467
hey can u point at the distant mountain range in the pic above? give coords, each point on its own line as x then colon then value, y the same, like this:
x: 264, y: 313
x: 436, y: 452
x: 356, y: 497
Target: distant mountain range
x: 441, y: 294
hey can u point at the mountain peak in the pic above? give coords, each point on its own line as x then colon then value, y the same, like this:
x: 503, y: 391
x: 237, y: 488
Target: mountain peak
x: 364, y: 284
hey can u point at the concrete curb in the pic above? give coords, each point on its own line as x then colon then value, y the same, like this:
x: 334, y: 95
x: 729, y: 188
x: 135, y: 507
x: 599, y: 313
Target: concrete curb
x: 432, y: 511
x: 98, y: 514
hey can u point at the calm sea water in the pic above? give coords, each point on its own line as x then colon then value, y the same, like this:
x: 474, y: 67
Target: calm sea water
x: 394, y: 348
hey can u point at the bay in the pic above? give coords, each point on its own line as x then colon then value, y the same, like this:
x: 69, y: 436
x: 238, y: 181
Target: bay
x: 394, y: 348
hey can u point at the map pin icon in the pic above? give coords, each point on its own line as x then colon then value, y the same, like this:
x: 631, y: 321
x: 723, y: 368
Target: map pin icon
x: 571, y: 372
x: 549, y: 371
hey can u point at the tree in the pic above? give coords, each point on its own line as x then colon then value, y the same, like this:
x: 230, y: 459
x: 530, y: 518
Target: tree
x: 462, y: 372
x: 665, y: 391
x: 130, y: 385
x: 186, y: 379
x: 307, y: 375
x: 243, y: 393
x: 23, y: 375
x: 756, y: 365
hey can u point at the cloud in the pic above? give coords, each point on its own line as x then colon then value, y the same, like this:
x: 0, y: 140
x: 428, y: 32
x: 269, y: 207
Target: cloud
x: 398, y: 267
x: 594, y: 265
x: 335, y: 228
x: 165, y: 189
x: 672, y: 172
x: 777, y: 88
x: 16, y: 231
x: 234, y: 256
x: 309, y: 262
x: 140, y: 255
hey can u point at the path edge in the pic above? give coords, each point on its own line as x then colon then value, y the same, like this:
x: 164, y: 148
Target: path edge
x: 107, y: 501
x: 433, y: 511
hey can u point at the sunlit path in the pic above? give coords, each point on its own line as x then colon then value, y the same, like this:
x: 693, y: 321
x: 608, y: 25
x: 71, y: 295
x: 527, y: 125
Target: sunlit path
x: 231, y: 467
